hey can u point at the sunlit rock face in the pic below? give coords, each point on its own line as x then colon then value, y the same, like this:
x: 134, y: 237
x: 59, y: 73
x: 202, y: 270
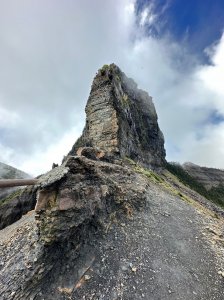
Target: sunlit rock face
x: 121, y: 119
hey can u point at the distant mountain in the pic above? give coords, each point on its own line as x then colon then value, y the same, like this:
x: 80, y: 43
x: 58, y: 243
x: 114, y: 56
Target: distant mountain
x: 209, y: 182
x: 208, y: 177
x: 9, y: 172
x: 14, y: 201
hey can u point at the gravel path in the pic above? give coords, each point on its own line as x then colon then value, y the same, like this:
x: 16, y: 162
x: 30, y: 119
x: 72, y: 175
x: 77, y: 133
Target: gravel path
x: 11, y: 230
x: 165, y: 251
x: 162, y: 253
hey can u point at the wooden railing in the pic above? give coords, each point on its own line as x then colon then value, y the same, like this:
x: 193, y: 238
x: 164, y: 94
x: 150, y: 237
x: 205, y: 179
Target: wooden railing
x: 17, y: 182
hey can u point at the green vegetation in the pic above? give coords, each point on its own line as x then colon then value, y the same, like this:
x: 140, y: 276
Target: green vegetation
x: 104, y: 69
x: 11, y: 197
x: 215, y: 194
x: 185, y: 178
x: 165, y: 184
x: 117, y: 78
x: 149, y: 173
x: 125, y: 100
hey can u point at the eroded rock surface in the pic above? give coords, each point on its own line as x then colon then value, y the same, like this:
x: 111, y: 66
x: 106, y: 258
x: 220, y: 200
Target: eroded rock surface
x: 87, y: 190
x: 121, y: 235
x: 104, y: 227
x: 83, y: 200
x: 121, y: 119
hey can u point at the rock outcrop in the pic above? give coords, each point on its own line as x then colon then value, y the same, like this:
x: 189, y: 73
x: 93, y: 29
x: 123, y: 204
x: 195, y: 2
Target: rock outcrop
x: 17, y: 204
x: 84, y: 191
x: 121, y: 119
x: 104, y: 226
x: 111, y: 231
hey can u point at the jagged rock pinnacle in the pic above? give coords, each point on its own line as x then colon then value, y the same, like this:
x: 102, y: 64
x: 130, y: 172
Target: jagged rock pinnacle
x: 121, y: 119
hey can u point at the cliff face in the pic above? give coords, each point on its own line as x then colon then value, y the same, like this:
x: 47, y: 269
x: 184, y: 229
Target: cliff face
x: 121, y: 119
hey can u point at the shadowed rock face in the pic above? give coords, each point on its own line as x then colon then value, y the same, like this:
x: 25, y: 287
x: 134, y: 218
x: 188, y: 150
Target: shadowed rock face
x: 121, y: 119
x: 17, y: 204
x: 14, y: 201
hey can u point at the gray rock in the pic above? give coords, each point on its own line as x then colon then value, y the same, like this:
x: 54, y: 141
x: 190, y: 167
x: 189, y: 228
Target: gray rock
x: 88, y: 189
x: 121, y: 119
x: 17, y: 204
x: 104, y: 227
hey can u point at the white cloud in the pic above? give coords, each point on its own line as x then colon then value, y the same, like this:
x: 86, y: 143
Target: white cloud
x: 212, y: 75
x: 49, y: 53
x: 42, y: 161
x: 8, y: 119
x: 147, y: 16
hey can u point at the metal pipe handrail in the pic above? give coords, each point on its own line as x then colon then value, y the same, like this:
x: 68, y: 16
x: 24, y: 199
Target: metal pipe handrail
x: 17, y: 182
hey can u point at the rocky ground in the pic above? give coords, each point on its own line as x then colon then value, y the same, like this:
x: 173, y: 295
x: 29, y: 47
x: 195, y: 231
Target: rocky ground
x: 169, y: 249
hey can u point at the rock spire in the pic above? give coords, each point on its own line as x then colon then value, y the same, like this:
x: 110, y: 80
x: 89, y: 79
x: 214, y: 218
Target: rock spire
x: 121, y: 120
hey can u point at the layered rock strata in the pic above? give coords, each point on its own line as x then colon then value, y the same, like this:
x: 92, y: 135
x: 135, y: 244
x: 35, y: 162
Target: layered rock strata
x: 86, y: 190
x: 103, y: 226
x: 75, y: 201
x: 93, y: 240
x: 121, y: 119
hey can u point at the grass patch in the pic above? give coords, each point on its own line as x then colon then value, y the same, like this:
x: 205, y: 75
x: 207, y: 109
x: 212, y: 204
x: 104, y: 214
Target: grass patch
x: 147, y: 172
x: 169, y: 187
x: 104, y: 69
x: 10, y: 197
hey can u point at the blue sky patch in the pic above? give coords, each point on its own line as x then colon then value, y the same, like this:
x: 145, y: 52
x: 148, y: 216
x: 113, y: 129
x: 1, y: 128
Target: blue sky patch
x: 196, y: 23
x: 215, y: 118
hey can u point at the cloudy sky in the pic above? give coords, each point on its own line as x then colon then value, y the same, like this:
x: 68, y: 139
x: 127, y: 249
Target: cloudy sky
x: 50, y: 51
